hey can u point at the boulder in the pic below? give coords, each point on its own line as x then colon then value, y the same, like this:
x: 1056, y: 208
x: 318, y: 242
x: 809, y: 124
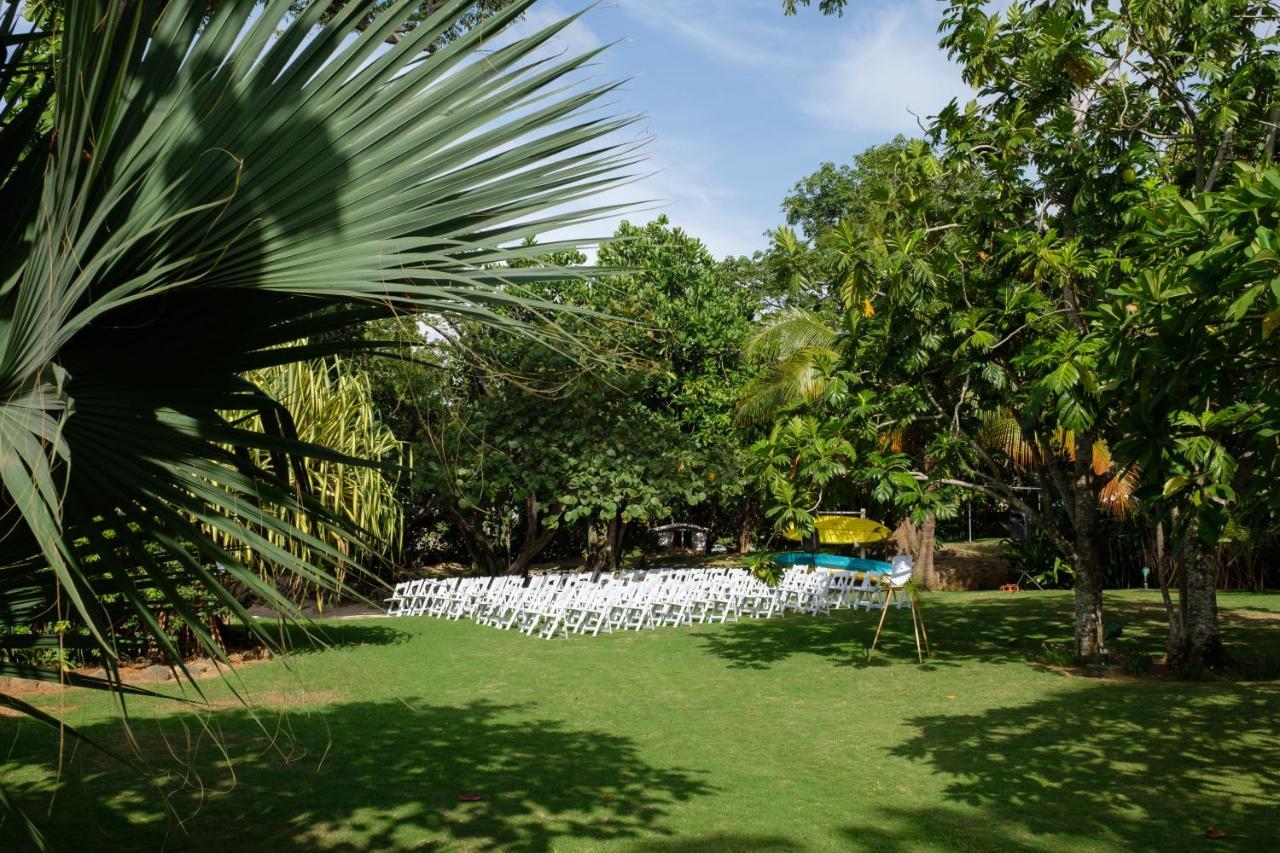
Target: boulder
x: 156, y: 672
x: 201, y: 667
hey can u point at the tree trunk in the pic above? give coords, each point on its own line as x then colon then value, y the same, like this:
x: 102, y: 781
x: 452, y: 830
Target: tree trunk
x: 529, y: 552
x: 1088, y: 583
x: 747, y: 527
x: 484, y: 558
x: 1195, y: 640
x: 924, y: 572
x: 536, y: 538
x: 1088, y: 605
x: 617, y: 529
x: 604, y: 541
x: 907, y: 537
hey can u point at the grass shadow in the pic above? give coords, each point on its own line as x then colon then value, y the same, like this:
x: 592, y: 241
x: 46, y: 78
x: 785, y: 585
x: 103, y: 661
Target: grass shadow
x: 721, y: 841
x: 1142, y: 765
x: 994, y: 628
x: 369, y: 776
x: 329, y: 635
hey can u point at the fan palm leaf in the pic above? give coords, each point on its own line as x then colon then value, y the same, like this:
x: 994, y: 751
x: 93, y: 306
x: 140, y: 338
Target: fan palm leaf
x: 221, y: 182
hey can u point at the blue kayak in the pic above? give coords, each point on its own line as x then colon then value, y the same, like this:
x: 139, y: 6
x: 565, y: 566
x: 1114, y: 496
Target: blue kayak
x: 830, y: 561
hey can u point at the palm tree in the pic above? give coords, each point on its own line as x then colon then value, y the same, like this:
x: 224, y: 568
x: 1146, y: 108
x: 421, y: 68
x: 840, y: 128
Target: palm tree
x: 220, y: 182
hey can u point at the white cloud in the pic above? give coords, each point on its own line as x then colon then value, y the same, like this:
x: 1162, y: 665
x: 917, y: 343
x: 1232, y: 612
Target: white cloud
x: 573, y: 40
x: 722, y: 29
x: 673, y: 183
x: 887, y: 68
x: 679, y: 175
x: 862, y: 75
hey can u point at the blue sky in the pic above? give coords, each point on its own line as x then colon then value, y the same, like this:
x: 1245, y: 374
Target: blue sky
x: 741, y: 102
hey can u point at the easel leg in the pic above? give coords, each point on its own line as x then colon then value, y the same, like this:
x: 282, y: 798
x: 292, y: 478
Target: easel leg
x: 915, y: 629
x: 888, y: 599
x: 927, y: 651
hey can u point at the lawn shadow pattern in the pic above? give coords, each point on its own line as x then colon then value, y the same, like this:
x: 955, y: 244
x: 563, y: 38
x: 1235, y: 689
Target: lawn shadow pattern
x: 998, y: 628
x: 994, y: 630
x: 1140, y: 765
x: 321, y: 636
x: 370, y: 776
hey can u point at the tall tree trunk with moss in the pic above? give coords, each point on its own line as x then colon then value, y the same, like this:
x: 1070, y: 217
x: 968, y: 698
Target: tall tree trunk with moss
x: 925, y: 573
x: 1195, y: 638
x: 1088, y: 567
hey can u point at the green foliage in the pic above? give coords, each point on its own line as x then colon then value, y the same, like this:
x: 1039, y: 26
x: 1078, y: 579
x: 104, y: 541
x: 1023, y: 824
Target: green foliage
x: 524, y: 439
x: 1040, y: 559
x: 800, y: 460
x: 332, y: 406
x: 1191, y: 341
x: 830, y: 195
x: 1057, y: 654
x: 1010, y: 262
x: 765, y: 567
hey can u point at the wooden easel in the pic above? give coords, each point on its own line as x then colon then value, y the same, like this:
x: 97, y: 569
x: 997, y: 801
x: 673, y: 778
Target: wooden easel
x: 917, y: 624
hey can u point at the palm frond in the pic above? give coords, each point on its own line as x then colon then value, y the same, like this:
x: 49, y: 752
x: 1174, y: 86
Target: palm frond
x: 1002, y: 431
x: 222, y: 181
x: 788, y: 332
x: 1117, y: 495
x: 800, y: 378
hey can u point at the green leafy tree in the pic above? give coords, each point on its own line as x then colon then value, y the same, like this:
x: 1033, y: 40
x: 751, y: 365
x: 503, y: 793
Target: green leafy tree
x: 1085, y: 110
x: 1191, y: 340
x: 526, y: 442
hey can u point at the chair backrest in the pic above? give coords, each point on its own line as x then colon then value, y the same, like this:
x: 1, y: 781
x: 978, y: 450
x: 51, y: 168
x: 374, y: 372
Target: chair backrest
x: 900, y: 572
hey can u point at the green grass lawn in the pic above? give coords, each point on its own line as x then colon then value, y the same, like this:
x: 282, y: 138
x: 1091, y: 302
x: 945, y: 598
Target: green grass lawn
x: 769, y: 735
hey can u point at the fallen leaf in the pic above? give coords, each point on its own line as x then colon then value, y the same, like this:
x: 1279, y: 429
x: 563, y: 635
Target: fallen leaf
x: 1214, y: 832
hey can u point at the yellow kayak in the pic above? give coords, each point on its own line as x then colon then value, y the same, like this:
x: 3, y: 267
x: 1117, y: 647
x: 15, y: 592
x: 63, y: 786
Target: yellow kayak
x: 845, y: 530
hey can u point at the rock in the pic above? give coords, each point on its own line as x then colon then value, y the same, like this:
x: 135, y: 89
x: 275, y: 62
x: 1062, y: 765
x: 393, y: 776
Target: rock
x: 156, y: 672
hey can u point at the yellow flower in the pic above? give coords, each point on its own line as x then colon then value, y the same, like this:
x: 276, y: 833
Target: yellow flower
x: 868, y: 310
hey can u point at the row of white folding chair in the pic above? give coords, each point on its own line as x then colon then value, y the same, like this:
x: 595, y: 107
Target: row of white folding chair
x: 561, y: 603
x: 496, y: 598
x: 412, y: 598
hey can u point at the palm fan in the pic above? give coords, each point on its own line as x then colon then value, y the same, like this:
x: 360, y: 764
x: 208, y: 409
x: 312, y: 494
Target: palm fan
x: 222, y: 181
